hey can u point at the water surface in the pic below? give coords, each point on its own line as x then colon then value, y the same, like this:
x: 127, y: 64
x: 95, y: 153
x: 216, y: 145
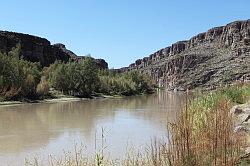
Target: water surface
x: 37, y: 130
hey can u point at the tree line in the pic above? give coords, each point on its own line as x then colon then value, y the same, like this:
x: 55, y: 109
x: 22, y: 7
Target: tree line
x: 20, y: 79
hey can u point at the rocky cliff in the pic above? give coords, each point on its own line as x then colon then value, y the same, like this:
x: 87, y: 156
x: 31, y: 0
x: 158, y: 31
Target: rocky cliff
x: 36, y: 49
x: 219, y: 56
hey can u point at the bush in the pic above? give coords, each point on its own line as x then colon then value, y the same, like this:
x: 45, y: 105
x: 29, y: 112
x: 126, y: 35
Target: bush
x: 18, y: 78
x: 43, y: 87
x: 74, y: 78
x: 234, y: 93
x: 84, y: 79
x: 22, y: 79
x: 124, y: 83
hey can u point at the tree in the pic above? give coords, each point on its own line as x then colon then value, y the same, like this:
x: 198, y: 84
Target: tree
x: 75, y: 78
x: 18, y: 78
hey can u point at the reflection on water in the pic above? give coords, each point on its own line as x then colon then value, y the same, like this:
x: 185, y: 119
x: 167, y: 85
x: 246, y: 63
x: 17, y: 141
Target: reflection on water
x: 41, y: 129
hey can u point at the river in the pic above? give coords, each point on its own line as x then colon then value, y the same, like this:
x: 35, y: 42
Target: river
x: 38, y: 130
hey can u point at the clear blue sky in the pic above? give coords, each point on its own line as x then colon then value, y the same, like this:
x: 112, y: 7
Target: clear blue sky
x: 120, y: 31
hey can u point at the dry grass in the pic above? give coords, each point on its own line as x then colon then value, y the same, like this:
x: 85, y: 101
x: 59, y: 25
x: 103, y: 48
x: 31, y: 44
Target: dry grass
x: 204, y: 138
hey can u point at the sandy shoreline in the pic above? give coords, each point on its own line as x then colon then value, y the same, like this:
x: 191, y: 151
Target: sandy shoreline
x: 54, y: 100
x: 63, y: 99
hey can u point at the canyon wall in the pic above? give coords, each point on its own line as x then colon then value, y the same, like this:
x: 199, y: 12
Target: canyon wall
x: 37, y: 49
x: 219, y: 56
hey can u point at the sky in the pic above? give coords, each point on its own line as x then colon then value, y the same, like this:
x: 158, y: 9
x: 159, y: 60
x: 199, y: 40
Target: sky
x: 119, y: 31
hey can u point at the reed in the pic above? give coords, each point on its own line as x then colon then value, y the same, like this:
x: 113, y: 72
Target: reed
x: 204, y: 137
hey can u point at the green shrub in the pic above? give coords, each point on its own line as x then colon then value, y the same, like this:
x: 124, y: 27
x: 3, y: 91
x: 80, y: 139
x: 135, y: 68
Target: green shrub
x: 18, y: 78
x: 74, y: 78
x: 43, y: 87
x: 123, y: 83
x: 234, y: 93
x: 22, y: 79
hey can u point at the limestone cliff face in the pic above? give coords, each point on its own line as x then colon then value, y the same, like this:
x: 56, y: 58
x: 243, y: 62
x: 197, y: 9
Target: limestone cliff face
x: 220, y: 55
x: 36, y: 49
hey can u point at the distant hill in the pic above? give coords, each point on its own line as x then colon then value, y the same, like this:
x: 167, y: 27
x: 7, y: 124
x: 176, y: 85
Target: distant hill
x: 37, y: 49
x: 219, y: 56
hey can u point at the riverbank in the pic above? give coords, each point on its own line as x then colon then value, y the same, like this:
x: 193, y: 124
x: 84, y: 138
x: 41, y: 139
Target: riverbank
x: 81, y: 78
x: 61, y: 98
x: 205, y: 132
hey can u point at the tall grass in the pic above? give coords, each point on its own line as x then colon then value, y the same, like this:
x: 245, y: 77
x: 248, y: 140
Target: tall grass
x: 208, y: 138
x: 204, y: 133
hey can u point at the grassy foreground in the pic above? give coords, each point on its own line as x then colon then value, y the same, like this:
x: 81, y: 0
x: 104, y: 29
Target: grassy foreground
x: 203, y: 135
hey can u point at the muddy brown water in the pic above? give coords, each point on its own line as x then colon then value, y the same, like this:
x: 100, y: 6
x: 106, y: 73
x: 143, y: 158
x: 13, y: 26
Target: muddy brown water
x: 38, y: 130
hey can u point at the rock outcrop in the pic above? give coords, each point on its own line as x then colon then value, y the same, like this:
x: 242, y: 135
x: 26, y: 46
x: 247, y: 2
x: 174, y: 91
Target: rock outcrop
x: 36, y: 49
x: 241, y: 116
x: 220, y: 55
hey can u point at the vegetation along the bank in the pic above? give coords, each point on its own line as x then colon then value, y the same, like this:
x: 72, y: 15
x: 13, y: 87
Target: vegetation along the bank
x: 20, y: 79
x: 204, y: 133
